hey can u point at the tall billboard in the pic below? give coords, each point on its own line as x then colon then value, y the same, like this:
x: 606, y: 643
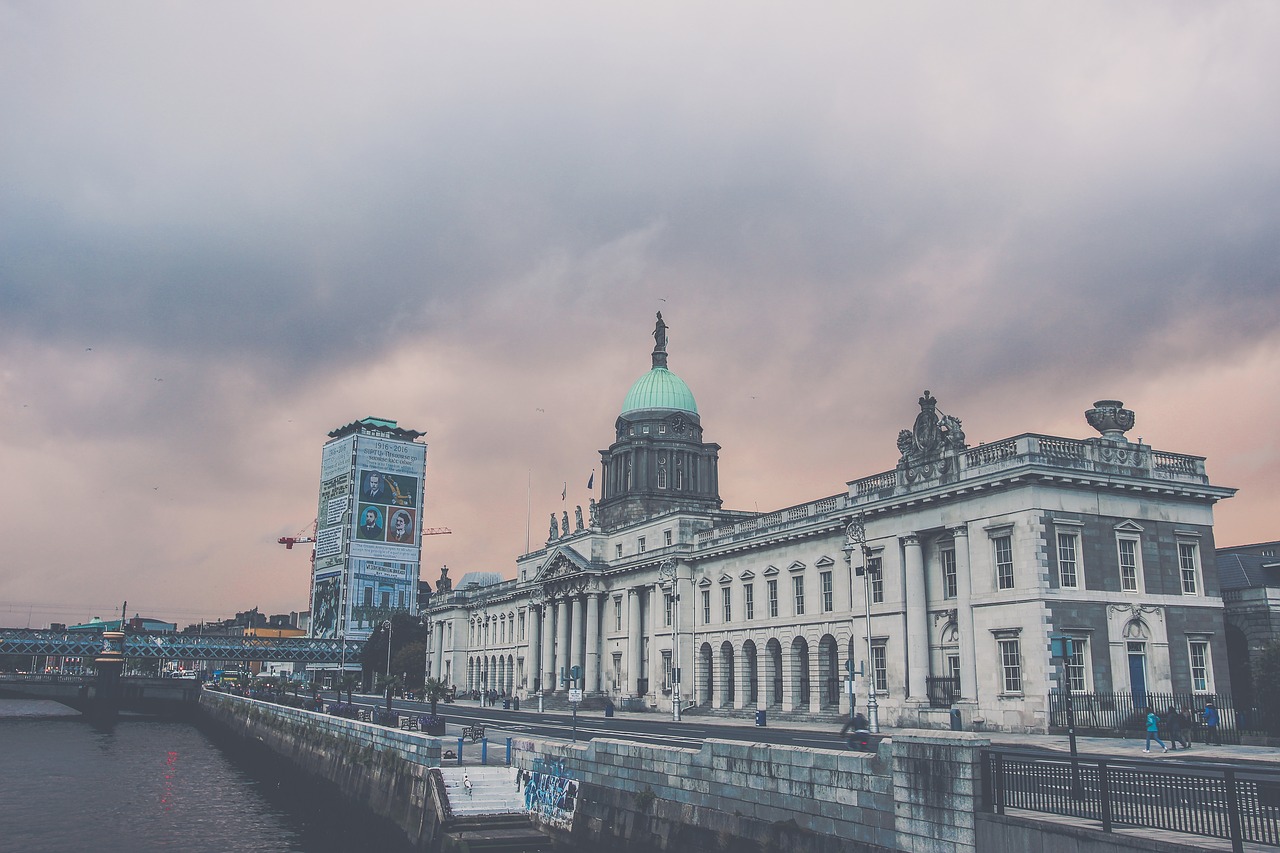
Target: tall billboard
x: 368, y: 532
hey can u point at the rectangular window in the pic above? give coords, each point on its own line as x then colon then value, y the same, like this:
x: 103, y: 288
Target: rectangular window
x: 1199, y: 650
x: 1189, y: 567
x: 666, y: 537
x: 640, y: 548
x: 662, y: 478
x: 880, y: 667
x: 617, y: 670
x: 773, y: 599
x: 617, y: 613
x: 726, y: 602
x: 617, y: 551
x: 1068, y: 560
x: 797, y: 585
x: 386, y: 598
x: 666, y: 671
x: 1128, y: 550
x: 1077, y: 676
x: 706, y: 607
x: 828, y: 593
x: 668, y: 603
x: 1004, y: 561
x: 947, y: 556
x: 749, y: 592
x: 368, y: 596
x: 1011, y: 665
x: 522, y: 625
x: 877, y: 580
x: 662, y: 428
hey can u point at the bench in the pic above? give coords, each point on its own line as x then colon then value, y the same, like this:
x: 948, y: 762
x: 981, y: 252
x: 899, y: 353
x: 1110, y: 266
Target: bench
x: 475, y: 733
x: 364, y: 715
x: 410, y: 724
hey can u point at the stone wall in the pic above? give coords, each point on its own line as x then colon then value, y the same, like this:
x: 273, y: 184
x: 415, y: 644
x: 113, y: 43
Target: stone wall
x: 916, y: 793
x: 382, y: 769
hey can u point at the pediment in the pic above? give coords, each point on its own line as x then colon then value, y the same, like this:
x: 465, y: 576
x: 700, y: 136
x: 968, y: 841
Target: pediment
x: 747, y: 575
x: 771, y: 571
x: 824, y: 561
x: 705, y: 582
x: 797, y: 566
x: 562, y: 562
x: 1128, y: 526
x: 726, y: 578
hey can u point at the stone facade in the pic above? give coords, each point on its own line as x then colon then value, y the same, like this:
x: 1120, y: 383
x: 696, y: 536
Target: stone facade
x: 978, y: 555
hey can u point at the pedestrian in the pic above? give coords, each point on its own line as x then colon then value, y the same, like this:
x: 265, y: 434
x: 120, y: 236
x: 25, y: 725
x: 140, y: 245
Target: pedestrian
x: 1211, y: 724
x: 466, y: 783
x: 1153, y: 731
x: 1172, y: 728
x: 1182, y: 727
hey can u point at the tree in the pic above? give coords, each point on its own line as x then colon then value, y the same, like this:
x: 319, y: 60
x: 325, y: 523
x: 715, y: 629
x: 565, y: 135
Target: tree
x: 349, y: 682
x: 389, y: 686
x: 433, y: 690
x: 411, y: 660
x: 405, y: 629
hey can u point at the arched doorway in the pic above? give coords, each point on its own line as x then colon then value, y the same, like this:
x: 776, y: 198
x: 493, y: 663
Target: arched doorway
x: 727, y: 695
x: 829, y: 666
x: 751, y: 675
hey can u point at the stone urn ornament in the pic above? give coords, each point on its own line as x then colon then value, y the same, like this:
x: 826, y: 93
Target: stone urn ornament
x: 1110, y: 418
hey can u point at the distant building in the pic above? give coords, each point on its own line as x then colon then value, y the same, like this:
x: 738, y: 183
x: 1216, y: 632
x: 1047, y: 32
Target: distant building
x: 977, y: 555
x: 368, y: 528
x: 1250, y: 578
x: 137, y: 624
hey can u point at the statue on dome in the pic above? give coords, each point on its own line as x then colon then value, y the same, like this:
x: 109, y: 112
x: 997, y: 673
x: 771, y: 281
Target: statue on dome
x: 577, y: 518
x: 552, y: 535
x: 444, y: 584
x: 591, y: 513
x: 564, y: 523
x: 660, y: 335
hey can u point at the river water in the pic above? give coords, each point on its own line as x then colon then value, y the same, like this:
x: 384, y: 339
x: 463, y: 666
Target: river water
x: 144, y: 785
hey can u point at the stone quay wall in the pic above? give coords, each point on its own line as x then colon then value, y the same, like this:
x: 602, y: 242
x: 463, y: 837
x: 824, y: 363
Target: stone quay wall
x: 382, y: 769
x: 918, y: 793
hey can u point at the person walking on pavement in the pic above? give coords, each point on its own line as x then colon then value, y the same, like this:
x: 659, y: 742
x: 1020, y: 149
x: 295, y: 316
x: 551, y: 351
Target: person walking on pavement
x: 1211, y: 724
x: 1153, y: 731
x: 1180, y: 731
x: 466, y: 783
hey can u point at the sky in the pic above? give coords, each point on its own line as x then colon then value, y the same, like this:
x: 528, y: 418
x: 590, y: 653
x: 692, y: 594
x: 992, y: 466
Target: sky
x: 227, y: 229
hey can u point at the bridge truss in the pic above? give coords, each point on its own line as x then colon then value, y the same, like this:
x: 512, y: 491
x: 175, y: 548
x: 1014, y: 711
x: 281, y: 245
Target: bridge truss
x: 27, y: 641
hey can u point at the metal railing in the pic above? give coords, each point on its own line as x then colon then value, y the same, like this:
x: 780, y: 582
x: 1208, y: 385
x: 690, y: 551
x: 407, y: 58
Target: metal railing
x: 1241, y: 805
x: 1124, y: 713
x: 943, y: 690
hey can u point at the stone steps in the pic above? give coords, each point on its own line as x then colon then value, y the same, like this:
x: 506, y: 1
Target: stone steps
x: 493, y: 791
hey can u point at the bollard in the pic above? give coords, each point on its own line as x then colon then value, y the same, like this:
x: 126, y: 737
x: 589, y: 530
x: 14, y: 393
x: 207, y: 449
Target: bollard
x: 508, y: 752
x: 484, y: 750
x: 459, y: 750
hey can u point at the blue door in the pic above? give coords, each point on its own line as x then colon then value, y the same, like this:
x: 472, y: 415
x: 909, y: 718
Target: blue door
x: 1138, y: 674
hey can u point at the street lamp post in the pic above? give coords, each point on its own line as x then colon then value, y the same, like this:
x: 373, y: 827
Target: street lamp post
x: 856, y: 537
x: 387, y: 625
x: 667, y: 575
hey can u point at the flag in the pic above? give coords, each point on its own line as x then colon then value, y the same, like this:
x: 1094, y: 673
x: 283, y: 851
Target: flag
x: 591, y: 481
x: 564, y: 493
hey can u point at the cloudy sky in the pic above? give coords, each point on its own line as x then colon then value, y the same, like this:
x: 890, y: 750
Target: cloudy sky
x: 228, y: 228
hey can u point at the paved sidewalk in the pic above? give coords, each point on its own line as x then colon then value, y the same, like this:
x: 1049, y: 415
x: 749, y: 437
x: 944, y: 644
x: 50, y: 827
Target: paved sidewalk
x: 1130, y: 748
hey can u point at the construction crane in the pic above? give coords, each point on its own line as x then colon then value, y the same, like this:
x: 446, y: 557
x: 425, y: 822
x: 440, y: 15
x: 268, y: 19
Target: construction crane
x: 302, y: 537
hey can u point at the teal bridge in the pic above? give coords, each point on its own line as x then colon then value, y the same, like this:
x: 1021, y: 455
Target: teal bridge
x: 29, y: 641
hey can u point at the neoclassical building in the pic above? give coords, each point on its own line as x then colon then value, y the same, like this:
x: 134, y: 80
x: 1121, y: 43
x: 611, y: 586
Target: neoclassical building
x: 968, y: 559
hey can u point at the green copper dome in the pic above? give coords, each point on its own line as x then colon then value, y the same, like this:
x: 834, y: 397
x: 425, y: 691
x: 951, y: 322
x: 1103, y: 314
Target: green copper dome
x: 659, y: 389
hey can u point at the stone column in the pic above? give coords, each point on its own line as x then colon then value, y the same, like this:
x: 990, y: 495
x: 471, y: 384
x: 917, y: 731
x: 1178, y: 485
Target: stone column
x: 562, y: 641
x: 634, y: 635
x: 548, y: 646
x: 917, y: 619
x: 591, y: 682
x: 437, y: 659
x: 964, y: 616
x: 575, y: 635
x: 533, y: 659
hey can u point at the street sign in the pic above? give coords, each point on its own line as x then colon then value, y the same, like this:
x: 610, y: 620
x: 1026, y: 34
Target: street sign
x: 851, y: 686
x: 575, y: 695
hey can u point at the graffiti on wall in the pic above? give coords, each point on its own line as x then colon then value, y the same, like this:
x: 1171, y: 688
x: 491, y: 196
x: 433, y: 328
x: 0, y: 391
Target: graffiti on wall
x: 551, y: 798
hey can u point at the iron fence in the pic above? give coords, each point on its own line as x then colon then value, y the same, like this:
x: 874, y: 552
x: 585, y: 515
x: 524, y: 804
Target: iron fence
x: 943, y: 690
x: 1124, y: 713
x: 1238, y: 804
